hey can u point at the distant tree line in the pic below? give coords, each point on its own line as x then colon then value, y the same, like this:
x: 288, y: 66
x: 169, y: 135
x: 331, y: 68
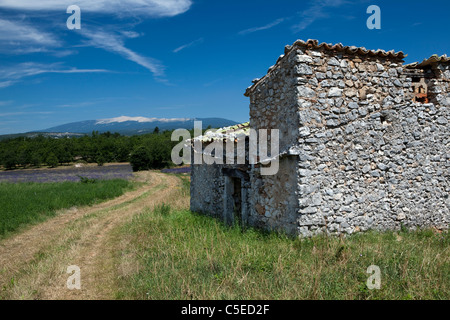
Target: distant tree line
x: 149, y: 151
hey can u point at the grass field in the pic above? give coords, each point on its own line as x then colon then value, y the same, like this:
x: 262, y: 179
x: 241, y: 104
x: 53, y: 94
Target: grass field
x: 149, y: 246
x: 27, y: 203
x: 176, y: 254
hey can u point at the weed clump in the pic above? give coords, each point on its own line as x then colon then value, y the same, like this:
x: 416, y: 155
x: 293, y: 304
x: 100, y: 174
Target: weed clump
x: 87, y: 180
x: 162, y: 209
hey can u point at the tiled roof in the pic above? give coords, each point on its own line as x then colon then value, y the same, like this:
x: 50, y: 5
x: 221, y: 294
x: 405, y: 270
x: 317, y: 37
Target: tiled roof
x: 339, y: 47
x: 430, y: 61
x: 314, y: 44
x: 236, y: 132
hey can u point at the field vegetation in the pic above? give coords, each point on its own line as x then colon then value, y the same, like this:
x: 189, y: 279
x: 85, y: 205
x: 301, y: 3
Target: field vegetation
x: 29, y: 203
x: 148, y: 245
x: 178, y: 254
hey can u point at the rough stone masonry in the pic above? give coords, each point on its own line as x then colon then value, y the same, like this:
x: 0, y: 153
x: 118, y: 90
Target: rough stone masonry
x: 364, y: 144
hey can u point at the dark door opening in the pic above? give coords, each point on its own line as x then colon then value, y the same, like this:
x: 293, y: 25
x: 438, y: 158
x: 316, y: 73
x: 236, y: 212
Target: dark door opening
x: 237, y: 200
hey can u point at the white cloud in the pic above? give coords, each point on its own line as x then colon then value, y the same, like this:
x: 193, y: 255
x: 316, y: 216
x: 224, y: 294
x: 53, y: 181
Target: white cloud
x: 190, y: 44
x: 20, y: 37
x: 148, y: 8
x: 316, y: 11
x: 114, y: 43
x: 130, y: 34
x: 13, y: 74
x: 77, y: 105
x: 267, y: 26
x: 4, y: 84
x: 4, y: 103
x: 11, y: 114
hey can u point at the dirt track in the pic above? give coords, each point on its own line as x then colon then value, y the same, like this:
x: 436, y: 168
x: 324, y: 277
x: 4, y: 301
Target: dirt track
x: 33, y: 264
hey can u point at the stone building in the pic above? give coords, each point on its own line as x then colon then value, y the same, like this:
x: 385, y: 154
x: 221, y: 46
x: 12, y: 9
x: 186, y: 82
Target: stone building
x: 364, y: 144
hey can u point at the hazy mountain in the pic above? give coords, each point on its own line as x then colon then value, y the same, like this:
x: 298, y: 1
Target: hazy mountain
x: 137, y: 125
x: 55, y: 135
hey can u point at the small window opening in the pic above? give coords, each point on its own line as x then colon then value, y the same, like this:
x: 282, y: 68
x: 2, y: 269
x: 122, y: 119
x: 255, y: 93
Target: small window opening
x: 420, y: 90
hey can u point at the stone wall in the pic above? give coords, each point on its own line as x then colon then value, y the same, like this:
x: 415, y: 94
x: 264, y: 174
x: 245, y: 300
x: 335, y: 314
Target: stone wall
x: 212, y: 186
x: 273, y: 103
x: 207, y: 189
x: 438, y: 85
x: 273, y: 199
x: 355, y: 152
x: 380, y: 171
x: 367, y: 158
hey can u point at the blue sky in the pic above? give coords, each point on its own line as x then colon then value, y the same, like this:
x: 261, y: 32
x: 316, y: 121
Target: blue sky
x: 178, y: 58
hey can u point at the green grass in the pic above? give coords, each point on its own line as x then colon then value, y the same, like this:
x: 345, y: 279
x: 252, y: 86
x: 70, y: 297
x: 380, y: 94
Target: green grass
x: 183, y: 255
x: 23, y: 204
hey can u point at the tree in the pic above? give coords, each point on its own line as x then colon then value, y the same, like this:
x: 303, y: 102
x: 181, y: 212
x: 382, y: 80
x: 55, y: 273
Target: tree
x: 36, y: 159
x: 52, y: 161
x: 10, y: 159
x: 63, y: 151
x: 100, y: 160
x: 140, y: 159
x: 111, y: 147
x: 159, y: 153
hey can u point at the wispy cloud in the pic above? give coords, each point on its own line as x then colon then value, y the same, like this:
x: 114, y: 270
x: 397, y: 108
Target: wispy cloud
x: 12, y: 114
x: 209, y: 84
x: 13, y: 74
x: 21, y: 32
x: 91, y: 102
x: 76, y: 105
x: 145, y: 8
x: 267, y: 26
x: 20, y: 37
x: 130, y: 34
x: 318, y: 10
x: 4, y: 103
x: 8, y: 83
x: 188, y: 45
x: 113, y: 42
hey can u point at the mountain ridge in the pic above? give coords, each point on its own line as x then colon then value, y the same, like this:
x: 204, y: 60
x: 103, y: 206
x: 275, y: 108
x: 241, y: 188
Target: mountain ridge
x: 135, y: 125
x: 123, y: 125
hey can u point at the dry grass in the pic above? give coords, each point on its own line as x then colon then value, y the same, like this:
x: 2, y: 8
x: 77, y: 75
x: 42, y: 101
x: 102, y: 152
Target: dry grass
x: 176, y: 254
x: 34, y: 266
x: 147, y: 245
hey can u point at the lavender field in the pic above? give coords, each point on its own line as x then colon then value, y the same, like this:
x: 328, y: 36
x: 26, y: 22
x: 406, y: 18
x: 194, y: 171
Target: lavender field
x: 108, y: 172
x: 177, y: 170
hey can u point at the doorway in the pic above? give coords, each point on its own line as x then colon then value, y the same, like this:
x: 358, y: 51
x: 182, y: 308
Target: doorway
x: 237, y: 199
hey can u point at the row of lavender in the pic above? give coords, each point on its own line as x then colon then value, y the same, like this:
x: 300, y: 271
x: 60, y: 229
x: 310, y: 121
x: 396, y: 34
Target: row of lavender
x: 74, y: 174
x: 68, y: 174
